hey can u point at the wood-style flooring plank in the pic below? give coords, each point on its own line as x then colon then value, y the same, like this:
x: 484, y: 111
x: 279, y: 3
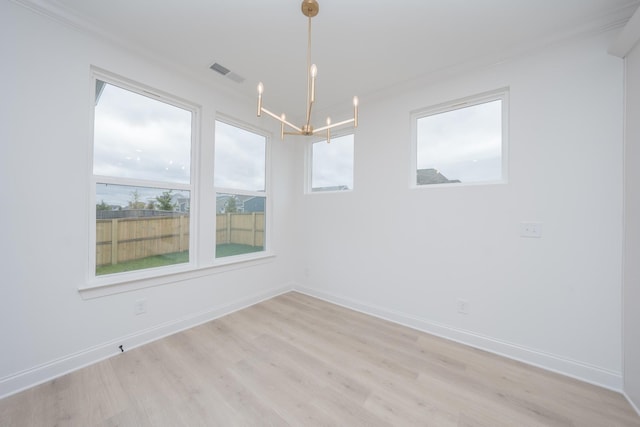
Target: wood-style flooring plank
x: 295, y: 360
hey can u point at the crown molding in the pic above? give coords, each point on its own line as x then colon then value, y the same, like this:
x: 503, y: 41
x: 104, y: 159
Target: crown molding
x: 628, y: 37
x: 54, y: 11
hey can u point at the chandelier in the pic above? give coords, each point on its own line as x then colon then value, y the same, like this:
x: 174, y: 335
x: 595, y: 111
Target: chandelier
x: 310, y: 9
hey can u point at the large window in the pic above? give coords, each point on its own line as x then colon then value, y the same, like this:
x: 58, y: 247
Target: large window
x: 332, y: 164
x: 241, y: 190
x: 141, y: 178
x: 461, y: 142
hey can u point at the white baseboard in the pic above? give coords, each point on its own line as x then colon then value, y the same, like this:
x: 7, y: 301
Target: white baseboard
x: 631, y: 402
x: 53, y: 369
x: 56, y: 368
x: 558, y: 364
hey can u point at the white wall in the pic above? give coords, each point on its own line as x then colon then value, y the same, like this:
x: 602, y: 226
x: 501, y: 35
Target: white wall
x: 46, y: 327
x: 403, y: 254
x: 631, y: 320
x: 408, y: 255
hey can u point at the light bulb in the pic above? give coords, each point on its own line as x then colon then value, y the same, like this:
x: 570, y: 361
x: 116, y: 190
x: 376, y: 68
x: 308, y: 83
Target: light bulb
x: 314, y: 71
x: 260, y: 88
x: 355, y: 111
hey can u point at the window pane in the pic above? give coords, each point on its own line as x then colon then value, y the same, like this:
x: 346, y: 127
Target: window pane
x: 240, y: 224
x: 139, y: 137
x: 332, y: 164
x: 140, y: 227
x: 240, y: 158
x: 462, y: 145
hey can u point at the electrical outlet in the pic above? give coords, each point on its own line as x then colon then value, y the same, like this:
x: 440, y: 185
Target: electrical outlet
x: 463, y: 306
x: 140, y: 306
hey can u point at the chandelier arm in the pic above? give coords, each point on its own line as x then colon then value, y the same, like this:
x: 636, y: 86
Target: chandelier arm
x: 278, y: 118
x: 334, y: 125
x: 310, y: 9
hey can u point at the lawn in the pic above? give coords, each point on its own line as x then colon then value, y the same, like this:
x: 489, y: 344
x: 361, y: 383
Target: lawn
x: 231, y: 249
x: 148, y: 262
x: 173, y: 258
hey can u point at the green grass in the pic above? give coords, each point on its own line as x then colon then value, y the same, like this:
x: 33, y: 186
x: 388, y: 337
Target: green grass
x: 231, y: 249
x: 173, y: 258
x: 142, y: 263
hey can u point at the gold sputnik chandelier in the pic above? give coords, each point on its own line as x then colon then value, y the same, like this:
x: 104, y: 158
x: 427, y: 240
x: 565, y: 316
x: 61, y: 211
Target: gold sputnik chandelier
x: 310, y: 9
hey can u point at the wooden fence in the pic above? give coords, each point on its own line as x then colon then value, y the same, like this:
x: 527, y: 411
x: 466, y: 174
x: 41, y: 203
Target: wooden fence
x: 240, y: 228
x: 125, y: 239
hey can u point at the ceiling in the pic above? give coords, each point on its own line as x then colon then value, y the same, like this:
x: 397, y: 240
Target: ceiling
x: 360, y: 47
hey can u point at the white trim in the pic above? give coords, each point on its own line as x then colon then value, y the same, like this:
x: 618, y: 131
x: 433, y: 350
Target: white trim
x: 631, y: 402
x: 308, y: 164
x: 501, y: 94
x: 141, y: 89
x: 628, y: 37
x: 31, y: 377
x: 126, y: 282
x: 230, y: 121
x: 47, y: 371
x: 572, y: 368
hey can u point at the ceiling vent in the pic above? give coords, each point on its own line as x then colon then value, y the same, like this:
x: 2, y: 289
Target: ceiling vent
x: 227, y: 72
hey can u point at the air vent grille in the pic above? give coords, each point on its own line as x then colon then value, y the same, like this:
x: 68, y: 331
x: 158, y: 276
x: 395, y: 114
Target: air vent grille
x: 221, y: 69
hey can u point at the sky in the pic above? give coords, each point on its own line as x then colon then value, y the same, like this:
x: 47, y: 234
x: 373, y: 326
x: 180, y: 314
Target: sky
x: 240, y: 161
x: 463, y: 144
x: 332, y: 163
x: 139, y: 137
x: 142, y: 138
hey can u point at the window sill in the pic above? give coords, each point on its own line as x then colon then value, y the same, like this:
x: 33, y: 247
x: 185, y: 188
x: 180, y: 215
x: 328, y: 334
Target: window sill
x: 127, y: 282
x: 350, y: 190
x: 460, y: 184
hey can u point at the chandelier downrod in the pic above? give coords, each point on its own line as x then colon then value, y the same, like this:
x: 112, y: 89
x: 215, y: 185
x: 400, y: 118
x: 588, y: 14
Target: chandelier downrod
x: 310, y: 8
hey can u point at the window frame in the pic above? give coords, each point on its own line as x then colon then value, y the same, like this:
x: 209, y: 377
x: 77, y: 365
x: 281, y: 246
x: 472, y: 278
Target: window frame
x: 502, y: 95
x: 308, y: 163
x: 202, y: 261
x: 96, y: 281
x: 267, y: 247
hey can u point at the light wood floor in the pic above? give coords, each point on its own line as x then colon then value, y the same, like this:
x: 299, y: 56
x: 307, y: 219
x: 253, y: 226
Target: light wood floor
x: 298, y: 361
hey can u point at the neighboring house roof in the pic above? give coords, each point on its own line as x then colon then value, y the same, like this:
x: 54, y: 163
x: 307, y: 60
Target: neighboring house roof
x: 254, y: 204
x: 432, y: 176
x: 182, y: 202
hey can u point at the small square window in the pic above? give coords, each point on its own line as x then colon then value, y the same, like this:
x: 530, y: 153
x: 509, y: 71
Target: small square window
x: 332, y: 164
x: 461, y: 142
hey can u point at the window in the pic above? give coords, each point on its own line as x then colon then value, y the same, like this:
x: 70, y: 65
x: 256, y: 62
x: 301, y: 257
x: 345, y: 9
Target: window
x: 332, y: 164
x: 241, y: 190
x: 461, y: 142
x: 141, y: 178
